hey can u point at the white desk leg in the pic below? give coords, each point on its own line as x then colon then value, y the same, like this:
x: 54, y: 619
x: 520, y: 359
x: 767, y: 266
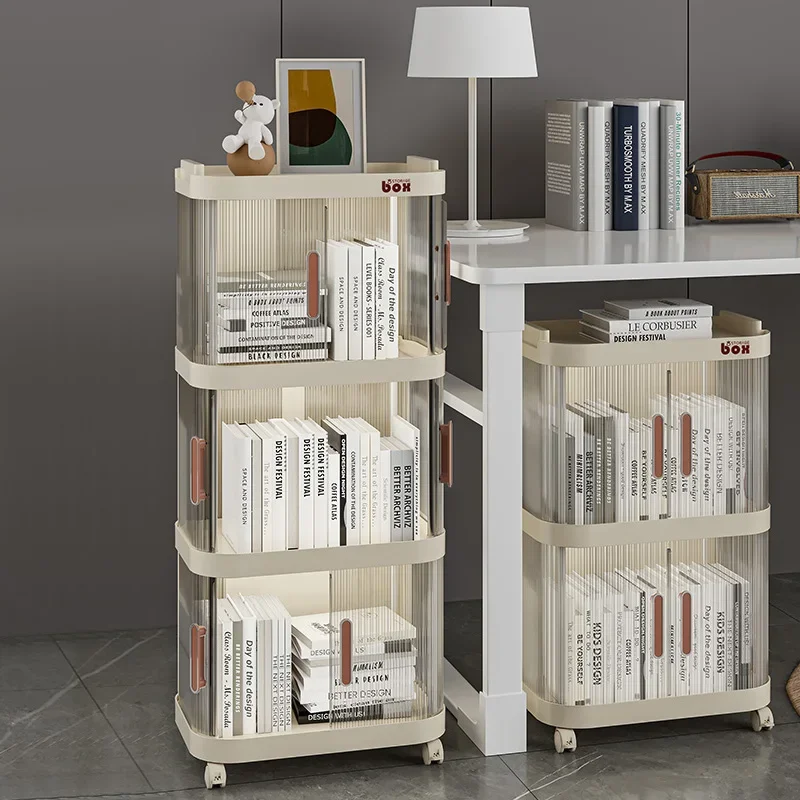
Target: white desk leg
x: 502, y: 701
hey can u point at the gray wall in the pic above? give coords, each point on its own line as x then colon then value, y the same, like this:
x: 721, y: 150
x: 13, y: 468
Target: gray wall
x: 103, y: 97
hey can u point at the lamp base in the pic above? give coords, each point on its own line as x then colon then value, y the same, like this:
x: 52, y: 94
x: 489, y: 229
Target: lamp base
x: 485, y: 229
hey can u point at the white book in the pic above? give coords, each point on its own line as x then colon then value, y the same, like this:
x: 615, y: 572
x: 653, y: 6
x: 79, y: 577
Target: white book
x: 654, y: 163
x: 605, y: 320
x: 337, y: 439
x: 374, y: 437
x: 408, y: 434
x: 396, y: 458
x: 677, y: 166
x: 645, y: 443
x: 582, y: 639
x: 257, y: 492
x: 286, y: 650
x: 267, y: 489
x: 336, y: 257
x: 385, y: 514
x: 291, y: 485
x: 355, y: 279
x: 224, y: 670
x: 353, y: 471
x: 635, y: 455
x: 392, y: 266
x: 600, y: 165
x: 263, y: 672
x: 236, y: 669
x: 237, y: 469
x: 621, y: 459
x: 306, y: 488
x: 274, y: 486
x: 637, y: 601
x: 381, y: 298
x: 275, y: 665
x: 655, y: 309
x: 321, y: 483
x: 600, y: 335
x: 691, y: 600
x: 334, y: 466
x: 361, y: 478
x: 367, y: 299
x: 249, y: 661
x: 574, y: 429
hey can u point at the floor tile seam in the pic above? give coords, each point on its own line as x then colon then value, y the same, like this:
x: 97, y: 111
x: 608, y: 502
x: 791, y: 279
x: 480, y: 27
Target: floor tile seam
x: 113, y: 730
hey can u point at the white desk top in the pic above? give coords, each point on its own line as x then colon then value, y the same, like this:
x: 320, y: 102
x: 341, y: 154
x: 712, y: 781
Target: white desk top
x: 555, y: 255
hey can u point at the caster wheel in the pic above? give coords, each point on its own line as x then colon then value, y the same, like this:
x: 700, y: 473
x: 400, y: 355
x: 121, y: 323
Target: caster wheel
x: 432, y: 752
x: 762, y: 720
x: 215, y: 775
x: 565, y: 740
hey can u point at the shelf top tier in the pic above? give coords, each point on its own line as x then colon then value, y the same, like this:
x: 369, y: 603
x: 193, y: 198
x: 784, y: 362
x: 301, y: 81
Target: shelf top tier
x: 559, y: 343
x: 547, y: 254
x: 417, y: 177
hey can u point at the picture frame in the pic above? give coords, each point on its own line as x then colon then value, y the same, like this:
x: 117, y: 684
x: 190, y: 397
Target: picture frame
x: 323, y: 109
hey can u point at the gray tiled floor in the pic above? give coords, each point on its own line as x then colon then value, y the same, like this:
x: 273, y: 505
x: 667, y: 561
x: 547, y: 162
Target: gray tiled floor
x: 90, y: 715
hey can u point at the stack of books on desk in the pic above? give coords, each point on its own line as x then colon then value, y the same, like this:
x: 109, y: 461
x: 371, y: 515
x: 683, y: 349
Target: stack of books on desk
x: 647, y: 320
x: 615, y: 164
x: 376, y: 678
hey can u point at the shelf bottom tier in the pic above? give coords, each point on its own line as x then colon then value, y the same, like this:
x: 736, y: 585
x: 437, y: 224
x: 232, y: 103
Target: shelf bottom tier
x: 308, y: 740
x: 640, y: 711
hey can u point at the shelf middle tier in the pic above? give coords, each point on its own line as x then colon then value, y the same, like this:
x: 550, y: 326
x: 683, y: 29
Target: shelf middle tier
x: 415, y: 363
x: 224, y: 564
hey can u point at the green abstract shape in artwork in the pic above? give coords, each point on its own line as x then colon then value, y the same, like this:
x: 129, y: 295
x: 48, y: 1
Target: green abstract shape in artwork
x: 336, y: 151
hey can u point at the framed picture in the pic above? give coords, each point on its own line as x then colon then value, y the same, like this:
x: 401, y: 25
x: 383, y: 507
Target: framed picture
x: 322, y: 121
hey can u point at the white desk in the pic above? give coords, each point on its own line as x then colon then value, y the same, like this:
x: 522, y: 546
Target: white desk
x: 495, y: 717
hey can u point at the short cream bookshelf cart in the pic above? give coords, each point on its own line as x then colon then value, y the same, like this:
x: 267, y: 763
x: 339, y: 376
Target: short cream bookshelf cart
x: 244, y: 226
x: 494, y: 714
x: 682, y: 490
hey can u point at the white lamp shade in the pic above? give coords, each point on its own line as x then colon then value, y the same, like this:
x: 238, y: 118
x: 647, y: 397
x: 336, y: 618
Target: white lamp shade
x: 472, y: 42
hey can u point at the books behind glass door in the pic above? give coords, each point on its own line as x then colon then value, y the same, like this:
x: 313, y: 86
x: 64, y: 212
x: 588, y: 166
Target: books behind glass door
x: 378, y: 679
x: 291, y: 484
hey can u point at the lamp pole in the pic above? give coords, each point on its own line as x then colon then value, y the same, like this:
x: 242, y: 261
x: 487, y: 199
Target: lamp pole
x: 472, y: 220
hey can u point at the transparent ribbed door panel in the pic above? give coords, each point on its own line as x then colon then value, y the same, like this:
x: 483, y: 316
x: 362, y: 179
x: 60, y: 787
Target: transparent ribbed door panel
x: 617, y: 624
x: 196, y: 638
x: 626, y: 443
x: 257, y: 279
x: 386, y: 644
x: 240, y: 465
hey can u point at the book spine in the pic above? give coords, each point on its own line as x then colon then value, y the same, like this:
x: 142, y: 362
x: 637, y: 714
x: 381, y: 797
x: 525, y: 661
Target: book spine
x: 268, y: 466
x: 336, y: 267
x: 321, y: 489
x: 375, y: 487
x: 667, y: 168
x: 680, y: 154
x: 249, y: 676
x: 353, y: 489
x: 392, y: 300
x: 397, y: 460
x: 659, y: 336
x: 306, y: 488
x: 275, y: 675
x: 385, y: 521
x: 354, y: 286
x: 279, y: 502
x: 589, y: 479
x: 408, y: 496
x: 626, y: 151
x: 381, y: 303
x: 580, y: 158
x: 334, y: 500
x: 226, y: 640
x: 238, y: 716
x: 654, y: 163
x: 237, y: 490
x: 368, y: 303
x: 643, y: 129
x: 596, y: 168
x: 364, y: 488
x: 286, y: 673
x: 311, y: 352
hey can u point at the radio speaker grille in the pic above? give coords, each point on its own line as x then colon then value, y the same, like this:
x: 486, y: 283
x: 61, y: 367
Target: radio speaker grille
x: 753, y: 196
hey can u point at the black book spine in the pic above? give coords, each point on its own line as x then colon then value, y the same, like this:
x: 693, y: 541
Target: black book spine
x: 626, y: 168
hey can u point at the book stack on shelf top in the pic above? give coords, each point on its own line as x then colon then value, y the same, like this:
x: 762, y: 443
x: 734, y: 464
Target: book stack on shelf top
x: 615, y: 165
x: 376, y: 682
x: 647, y: 320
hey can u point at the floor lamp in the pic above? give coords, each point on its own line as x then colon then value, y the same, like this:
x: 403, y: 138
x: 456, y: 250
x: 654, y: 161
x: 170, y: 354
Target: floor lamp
x: 473, y: 42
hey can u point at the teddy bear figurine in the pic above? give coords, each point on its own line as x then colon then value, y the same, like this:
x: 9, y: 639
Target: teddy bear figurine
x: 250, y: 151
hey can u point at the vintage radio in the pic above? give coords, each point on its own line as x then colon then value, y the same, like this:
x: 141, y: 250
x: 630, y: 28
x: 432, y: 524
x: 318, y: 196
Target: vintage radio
x: 743, y: 193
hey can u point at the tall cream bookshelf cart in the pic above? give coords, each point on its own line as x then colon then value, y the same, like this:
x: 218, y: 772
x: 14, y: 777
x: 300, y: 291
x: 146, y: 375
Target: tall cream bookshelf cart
x: 494, y: 716
x: 246, y: 227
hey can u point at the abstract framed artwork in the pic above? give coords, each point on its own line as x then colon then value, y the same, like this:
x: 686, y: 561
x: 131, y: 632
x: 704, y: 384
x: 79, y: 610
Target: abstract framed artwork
x: 322, y: 115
